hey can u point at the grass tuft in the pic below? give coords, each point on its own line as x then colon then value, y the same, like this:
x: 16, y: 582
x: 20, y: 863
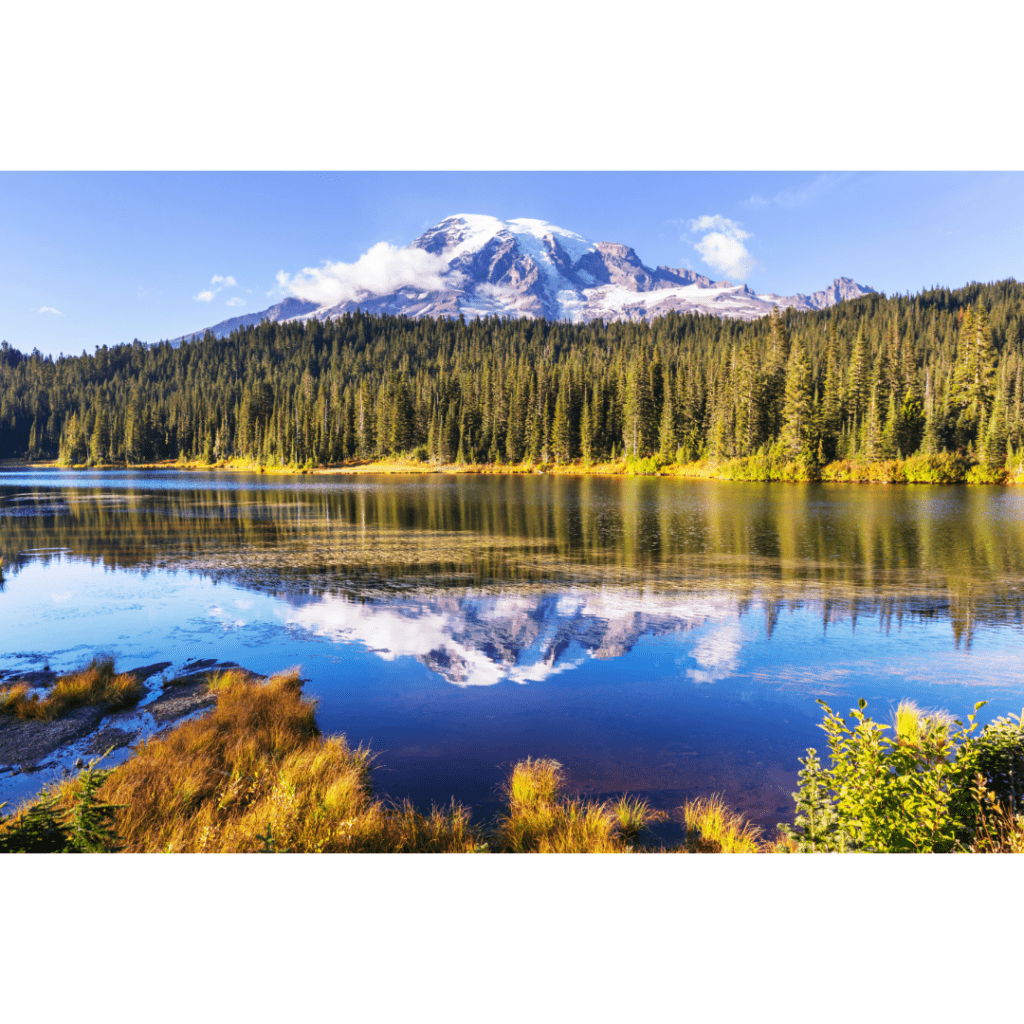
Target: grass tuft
x: 634, y: 816
x: 541, y: 819
x: 712, y: 828
x: 914, y: 724
x: 97, y: 683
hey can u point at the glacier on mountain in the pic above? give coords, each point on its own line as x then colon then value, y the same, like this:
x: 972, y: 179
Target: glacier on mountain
x: 474, y: 265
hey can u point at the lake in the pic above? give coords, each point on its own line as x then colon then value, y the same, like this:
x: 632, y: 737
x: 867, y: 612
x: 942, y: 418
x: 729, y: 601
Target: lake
x: 663, y: 637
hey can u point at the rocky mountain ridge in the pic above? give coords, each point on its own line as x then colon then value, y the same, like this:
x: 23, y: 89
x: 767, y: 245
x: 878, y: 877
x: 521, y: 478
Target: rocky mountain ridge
x: 476, y: 266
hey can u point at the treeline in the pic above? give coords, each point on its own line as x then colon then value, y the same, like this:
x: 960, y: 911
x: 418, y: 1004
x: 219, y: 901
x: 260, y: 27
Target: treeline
x: 876, y: 378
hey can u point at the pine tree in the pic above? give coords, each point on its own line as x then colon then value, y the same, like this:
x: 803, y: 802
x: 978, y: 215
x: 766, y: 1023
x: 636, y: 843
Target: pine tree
x: 993, y: 454
x: 587, y: 432
x: 515, y: 435
x: 832, y: 410
x: 99, y: 444
x: 797, y: 414
x: 889, y: 444
x: 975, y: 364
x: 668, y: 443
x: 561, y: 430
x: 637, y: 428
x: 401, y: 426
x: 858, y: 390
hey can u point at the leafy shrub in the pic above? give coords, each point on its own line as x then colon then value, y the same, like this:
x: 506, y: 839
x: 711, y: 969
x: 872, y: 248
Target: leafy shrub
x: 1000, y: 759
x: 945, y: 468
x: 931, y: 785
x: 984, y: 475
x: 643, y: 465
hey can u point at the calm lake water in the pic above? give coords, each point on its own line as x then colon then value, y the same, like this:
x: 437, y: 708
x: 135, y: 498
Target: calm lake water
x: 662, y: 637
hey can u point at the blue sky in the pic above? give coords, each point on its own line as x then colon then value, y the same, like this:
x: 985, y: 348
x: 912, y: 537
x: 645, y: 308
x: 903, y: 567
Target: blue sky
x: 91, y: 258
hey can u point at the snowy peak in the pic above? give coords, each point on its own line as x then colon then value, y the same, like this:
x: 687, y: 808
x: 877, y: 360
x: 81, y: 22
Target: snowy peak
x: 475, y: 265
x: 841, y: 289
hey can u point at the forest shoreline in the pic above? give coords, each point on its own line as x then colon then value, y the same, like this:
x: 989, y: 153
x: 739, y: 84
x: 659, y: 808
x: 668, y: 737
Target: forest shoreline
x: 942, y: 469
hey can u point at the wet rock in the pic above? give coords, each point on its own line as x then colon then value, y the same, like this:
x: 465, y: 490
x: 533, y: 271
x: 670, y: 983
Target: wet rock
x: 26, y: 742
x: 183, y: 699
x: 109, y: 737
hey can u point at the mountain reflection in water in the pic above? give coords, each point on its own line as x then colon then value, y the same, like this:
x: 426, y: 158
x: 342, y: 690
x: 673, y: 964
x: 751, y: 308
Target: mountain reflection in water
x: 481, y: 640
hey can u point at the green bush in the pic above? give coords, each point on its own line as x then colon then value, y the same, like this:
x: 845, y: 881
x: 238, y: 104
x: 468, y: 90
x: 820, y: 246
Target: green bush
x: 1000, y: 754
x: 913, y: 791
x: 643, y: 466
x: 946, y: 468
x: 983, y: 475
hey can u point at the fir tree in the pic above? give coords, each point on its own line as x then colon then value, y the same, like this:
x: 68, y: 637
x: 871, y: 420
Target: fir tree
x: 798, y: 409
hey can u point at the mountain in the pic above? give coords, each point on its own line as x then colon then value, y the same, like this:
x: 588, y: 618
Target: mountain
x: 476, y: 266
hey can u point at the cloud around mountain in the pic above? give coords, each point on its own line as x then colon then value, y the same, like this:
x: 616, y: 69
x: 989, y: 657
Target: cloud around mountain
x: 474, y: 265
x: 383, y: 269
x: 721, y: 246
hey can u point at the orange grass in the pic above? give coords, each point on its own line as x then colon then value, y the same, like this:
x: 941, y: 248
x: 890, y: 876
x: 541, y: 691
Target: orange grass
x: 256, y: 775
x: 95, y: 684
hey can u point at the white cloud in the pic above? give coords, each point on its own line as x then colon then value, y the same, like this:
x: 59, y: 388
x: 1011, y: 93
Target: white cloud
x: 217, y: 284
x: 721, y: 246
x: 380, y: 270
x: 50, y: 309
x: 235, y: 300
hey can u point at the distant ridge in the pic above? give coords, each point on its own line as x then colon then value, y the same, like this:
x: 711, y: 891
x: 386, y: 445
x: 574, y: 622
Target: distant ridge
x: 475, y: 266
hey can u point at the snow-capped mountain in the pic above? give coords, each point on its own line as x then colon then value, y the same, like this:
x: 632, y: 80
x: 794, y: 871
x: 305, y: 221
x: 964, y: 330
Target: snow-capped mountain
x: 476, y: 266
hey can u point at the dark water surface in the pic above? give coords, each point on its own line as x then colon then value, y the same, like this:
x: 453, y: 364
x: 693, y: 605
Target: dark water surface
x: 665, y: 637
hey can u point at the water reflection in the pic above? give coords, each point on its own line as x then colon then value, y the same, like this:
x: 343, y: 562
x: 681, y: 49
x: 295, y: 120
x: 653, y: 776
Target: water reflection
x: 661, y: 636
x: 953, y: 553
x: 481, y: 640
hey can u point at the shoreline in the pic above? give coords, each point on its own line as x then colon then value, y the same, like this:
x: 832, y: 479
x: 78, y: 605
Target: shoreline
x: 943, y: 469
x: 246, y: 769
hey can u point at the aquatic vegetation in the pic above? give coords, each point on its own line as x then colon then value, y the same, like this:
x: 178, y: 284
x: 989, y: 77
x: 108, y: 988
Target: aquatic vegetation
x: 712, y: 828
x: 256, y: 775
x: 541, y: 819
x: 97, y: 683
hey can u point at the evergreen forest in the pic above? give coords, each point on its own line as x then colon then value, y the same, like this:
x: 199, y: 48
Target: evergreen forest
x: 878, y: 378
